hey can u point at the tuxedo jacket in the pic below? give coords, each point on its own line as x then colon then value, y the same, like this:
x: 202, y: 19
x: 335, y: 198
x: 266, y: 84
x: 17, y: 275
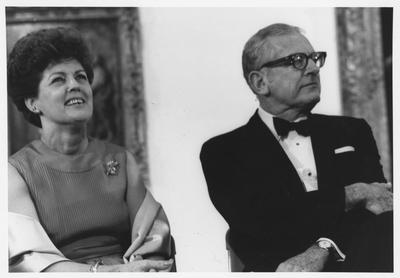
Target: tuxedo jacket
x: 255, y: 187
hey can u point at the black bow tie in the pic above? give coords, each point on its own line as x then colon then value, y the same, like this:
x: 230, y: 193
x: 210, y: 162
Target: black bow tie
x: 283, y: 127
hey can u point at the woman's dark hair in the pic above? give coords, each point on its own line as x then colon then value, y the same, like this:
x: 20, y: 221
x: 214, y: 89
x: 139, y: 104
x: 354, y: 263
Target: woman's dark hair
x: 33, y: 53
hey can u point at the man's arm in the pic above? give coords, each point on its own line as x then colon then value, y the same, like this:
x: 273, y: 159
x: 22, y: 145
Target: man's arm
x: 373, y: 194
x: 229, y: 189
x: 234, y: 193
x: 312, y: 260
x: 375, y: 197
x: 370, y: 191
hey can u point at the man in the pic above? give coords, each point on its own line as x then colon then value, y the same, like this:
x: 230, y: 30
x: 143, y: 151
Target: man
x: 300, y: 191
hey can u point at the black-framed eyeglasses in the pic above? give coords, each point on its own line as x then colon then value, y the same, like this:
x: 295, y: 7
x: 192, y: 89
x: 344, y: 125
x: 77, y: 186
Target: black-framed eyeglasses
x: 298, y: 60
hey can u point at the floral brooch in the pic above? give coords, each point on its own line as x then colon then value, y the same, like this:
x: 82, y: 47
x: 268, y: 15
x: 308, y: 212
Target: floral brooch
x: 112, y: 168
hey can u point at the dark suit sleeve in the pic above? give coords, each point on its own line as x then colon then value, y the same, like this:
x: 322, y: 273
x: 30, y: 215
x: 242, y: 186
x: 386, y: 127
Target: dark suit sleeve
x: 362, y: 166
x: 226, y: 185
x: 370, y: 168
x: 246, y: 212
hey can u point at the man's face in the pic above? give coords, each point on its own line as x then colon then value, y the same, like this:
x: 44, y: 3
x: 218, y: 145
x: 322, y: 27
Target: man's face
x: 289, y: 87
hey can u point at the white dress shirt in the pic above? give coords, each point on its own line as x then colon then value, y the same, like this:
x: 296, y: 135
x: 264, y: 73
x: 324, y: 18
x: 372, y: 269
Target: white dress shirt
x: 299, y: 150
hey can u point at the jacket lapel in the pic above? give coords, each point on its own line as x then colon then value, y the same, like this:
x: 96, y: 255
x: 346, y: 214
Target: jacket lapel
x: 322, y: 148
x: 266, y: 148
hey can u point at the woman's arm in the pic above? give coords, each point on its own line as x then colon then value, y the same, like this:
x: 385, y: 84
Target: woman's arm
x: 150, y: 228
x: 136, y: 266
x: 23, y: 212
x: 19, y: 200
x: 49, y: 259
x: 30, y: 248
x: 136, y: 190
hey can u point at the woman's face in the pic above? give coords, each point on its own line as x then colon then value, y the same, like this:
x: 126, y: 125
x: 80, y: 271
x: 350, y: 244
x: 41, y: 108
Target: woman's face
x: 64, y: 95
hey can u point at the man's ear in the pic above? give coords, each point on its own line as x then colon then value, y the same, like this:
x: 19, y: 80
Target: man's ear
x: 259, y: 83
x: 30, y: 103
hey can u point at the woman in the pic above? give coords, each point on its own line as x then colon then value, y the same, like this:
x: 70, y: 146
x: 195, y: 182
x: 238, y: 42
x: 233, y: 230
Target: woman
x: 75, y: 203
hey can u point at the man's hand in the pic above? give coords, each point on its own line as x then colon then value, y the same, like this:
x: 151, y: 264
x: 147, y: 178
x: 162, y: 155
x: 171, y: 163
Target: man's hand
x: 312, y: 260
x: 375, y: 197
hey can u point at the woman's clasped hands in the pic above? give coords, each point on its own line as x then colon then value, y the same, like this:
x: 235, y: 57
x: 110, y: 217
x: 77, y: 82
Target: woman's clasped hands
x: 148, y: 265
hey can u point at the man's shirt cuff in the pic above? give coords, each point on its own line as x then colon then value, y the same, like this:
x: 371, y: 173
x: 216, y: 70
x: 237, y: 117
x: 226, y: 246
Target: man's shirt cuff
x: 339, y: 256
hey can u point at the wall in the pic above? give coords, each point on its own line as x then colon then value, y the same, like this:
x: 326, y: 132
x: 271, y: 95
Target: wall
x: 194, y: 90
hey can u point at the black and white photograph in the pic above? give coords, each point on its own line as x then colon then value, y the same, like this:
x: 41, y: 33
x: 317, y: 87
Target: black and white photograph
x: 189, y: 137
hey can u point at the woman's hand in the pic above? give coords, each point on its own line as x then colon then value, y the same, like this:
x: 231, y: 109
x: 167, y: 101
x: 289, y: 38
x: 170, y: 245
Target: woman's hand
x: 138, y: 266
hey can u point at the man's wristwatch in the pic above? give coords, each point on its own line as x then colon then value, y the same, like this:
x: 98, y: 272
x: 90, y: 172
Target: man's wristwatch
x: 324, y: 244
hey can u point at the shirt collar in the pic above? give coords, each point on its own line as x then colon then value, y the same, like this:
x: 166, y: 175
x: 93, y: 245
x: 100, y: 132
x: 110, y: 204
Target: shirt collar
x: 267, y: 118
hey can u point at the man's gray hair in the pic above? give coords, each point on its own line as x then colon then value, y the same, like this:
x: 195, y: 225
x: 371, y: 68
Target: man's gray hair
x: 255, y: 47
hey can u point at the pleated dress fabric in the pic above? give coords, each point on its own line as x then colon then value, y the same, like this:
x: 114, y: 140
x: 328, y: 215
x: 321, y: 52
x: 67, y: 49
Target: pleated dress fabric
x: 80, y: 199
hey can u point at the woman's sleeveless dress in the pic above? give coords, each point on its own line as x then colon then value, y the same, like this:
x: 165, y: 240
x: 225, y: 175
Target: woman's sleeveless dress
x: 80, y: 199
